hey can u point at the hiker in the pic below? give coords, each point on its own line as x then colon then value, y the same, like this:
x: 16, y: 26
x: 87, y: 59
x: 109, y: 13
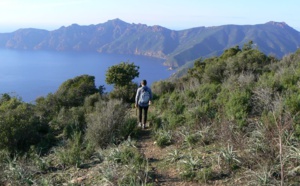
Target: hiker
x: 142, y: 101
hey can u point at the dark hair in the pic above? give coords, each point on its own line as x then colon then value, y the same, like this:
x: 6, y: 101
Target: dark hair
x: 144, y: 82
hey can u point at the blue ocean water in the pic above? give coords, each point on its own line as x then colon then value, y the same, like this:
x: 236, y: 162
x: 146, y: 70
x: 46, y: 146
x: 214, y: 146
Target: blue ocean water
x: 31, y: 74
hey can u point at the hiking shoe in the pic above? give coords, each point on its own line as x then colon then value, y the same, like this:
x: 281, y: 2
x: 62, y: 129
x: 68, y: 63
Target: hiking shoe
x: 140, y: 125
x: 143, y: 126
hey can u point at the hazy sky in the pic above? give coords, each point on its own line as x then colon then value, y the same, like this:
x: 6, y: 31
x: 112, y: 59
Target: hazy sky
x: 172, y: 14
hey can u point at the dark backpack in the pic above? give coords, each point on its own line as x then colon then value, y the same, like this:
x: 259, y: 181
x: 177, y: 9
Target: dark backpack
x: 144, y: 97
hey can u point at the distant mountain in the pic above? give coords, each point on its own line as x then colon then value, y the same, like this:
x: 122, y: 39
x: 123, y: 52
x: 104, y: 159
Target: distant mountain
x: 176, y: 47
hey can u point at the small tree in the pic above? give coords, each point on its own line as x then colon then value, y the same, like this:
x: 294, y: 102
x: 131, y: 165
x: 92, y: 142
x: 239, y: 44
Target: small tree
x: 121, y: 77
x: 122, y: 74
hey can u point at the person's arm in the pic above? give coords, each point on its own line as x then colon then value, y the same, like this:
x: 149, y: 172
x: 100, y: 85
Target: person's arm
x: 137, y: 97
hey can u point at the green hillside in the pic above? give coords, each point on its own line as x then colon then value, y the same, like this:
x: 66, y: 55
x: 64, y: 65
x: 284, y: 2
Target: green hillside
x: 230, y: 120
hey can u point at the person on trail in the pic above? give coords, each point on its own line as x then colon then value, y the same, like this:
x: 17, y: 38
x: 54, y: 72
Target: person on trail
x: 142, y: 101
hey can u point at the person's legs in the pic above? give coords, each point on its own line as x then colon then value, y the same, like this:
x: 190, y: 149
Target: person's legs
x: 145, y: 115
x: 140, y: 115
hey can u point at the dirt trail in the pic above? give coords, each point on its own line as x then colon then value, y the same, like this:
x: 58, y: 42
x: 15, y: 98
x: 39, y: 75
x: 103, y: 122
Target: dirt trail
x: 163, y: 174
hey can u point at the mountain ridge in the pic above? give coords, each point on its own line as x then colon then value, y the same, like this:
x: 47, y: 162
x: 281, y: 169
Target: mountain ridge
x: 175, y: 47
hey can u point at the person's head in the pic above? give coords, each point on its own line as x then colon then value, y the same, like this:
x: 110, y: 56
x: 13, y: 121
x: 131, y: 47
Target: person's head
x: 143, y: 82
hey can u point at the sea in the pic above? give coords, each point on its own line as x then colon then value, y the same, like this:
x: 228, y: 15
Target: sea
x: 32, y: 74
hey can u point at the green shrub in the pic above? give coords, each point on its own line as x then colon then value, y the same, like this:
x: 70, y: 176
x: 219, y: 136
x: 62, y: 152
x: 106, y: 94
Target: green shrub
x: 252, y: 61
x: 178, y: 108
x: 207, y: 135
x: 230, y: 52
x: 162, y: 87
x: 190, y: 138
x: 154, y: 121
x: 237, y: 107
x: 262, y: 176
x: 163, y: 102
x: 214, y: 71
x: 126, y: 155
x: 205, y: 174
x: 72, y: 92
x: 22, y: 170
x: 172, y: 120
x: 46, y: 108
x: 174, y: 156
x: 75, y: 151
x: 229, y: 156
x: 206, y: 93
x: 135, y: 176
x: 107, y: 124
x: 297, y: 130
x: 124, y: 165
x: 189, y: 168
x: 163, y: 138
x: 292, y: 102
x: 129, y: 128
x: 90, y: 102
x: 201, y: 115
x: 19, y: 126
x: 69, y: 121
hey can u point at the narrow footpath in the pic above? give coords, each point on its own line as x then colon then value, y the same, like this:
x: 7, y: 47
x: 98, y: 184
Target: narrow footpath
x: 162, y: 173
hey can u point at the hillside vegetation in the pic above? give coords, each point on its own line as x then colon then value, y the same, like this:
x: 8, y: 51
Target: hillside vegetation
x: 230, y: 120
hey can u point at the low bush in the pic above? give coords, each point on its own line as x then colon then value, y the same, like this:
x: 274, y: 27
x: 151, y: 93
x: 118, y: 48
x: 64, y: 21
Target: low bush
x: 19, y: 126
x: 109, y: 123
x: 154, y: 121
x: 230, y: 158
x: 75, y: 151
x: 135, y: 167
x: 129, y: 128
x: 189, y: 168
x: 174, y: 156
x: 204, y: 175
x: 163, y: 138
x: 126, y: 155
x: 162, y: 87
x: 68, y: 121
x: 73, y: 92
